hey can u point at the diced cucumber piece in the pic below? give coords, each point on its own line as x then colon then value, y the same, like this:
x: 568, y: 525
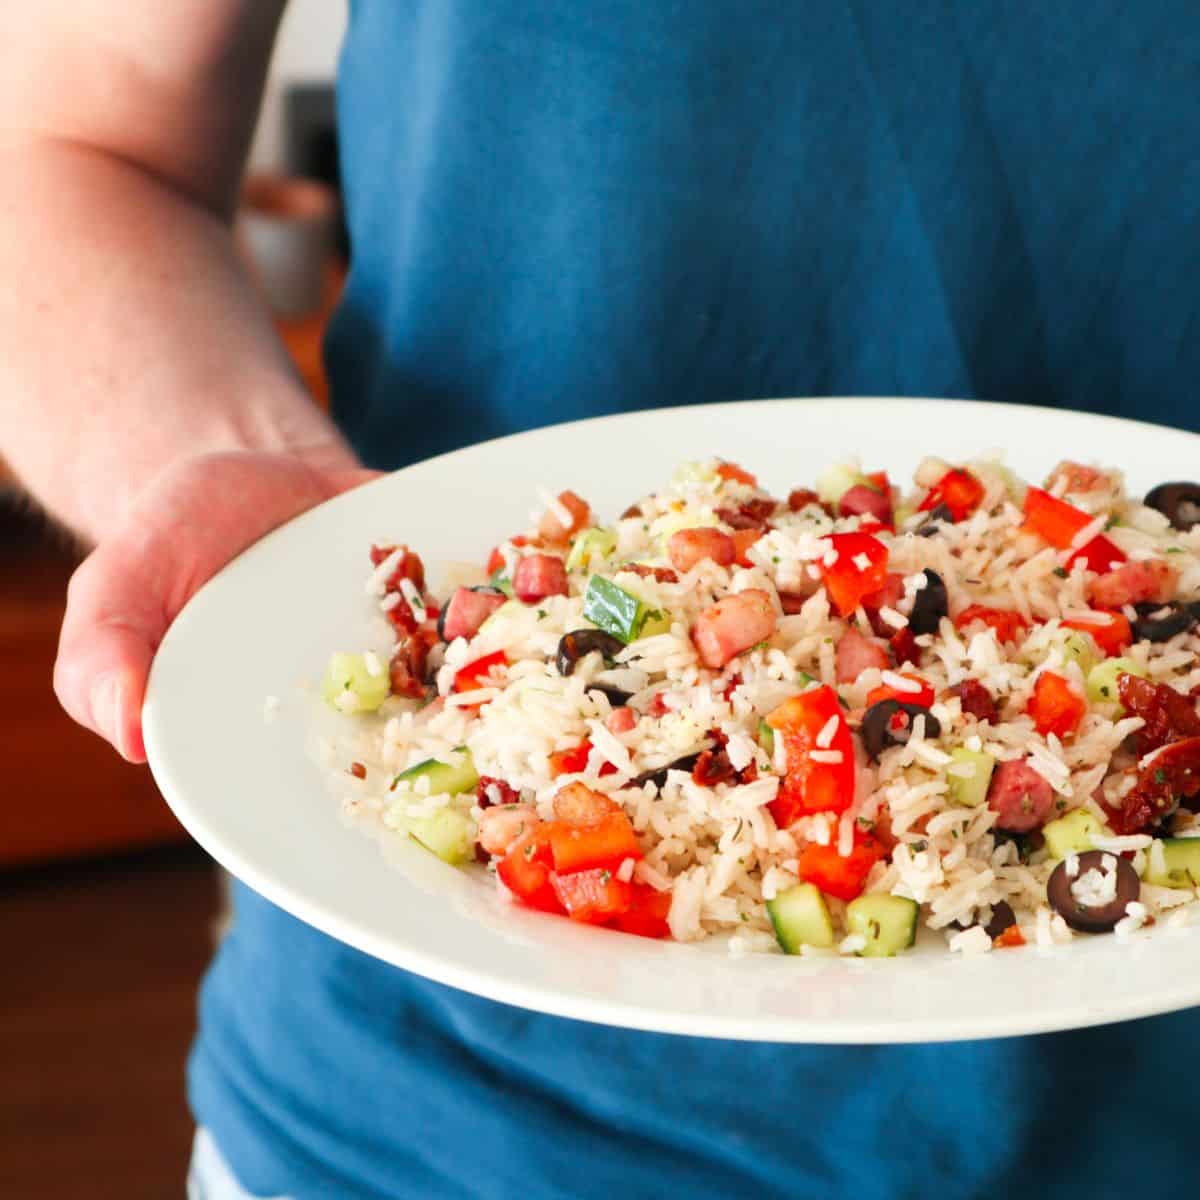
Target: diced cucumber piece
x: 656, y: 622
x: 700, y: 471
x: 1013, y: 483
x: 1179, y: 866
x: 444, y: 778
x: 590, y: 544
x: 507, y: 609
x: 969, y: 790
x: 888, y: 923
x: 663, y: 528
x: 619, y: 612
x: 498, y: 579
x: 1078, y: 647
x: 1072, y: 833
x: 349, y: 687
x: 448, y: 833
x: 766, y: 738
x: 1102, y: 679
x: 801, y: 918
x: 834, y: 483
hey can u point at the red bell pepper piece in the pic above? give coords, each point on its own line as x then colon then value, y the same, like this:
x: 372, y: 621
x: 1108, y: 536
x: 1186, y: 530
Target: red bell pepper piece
x: 647, y: 912
x: 495, y: 560
x: 570, y: 762
x: 958, y: 490
x: 604, y: 843
x: 858, y: 571
x: 526, y: 870
x: 846, y: 877
x: 1055, y: 706
x: 904, y: 648
x: 728, y: 470
x: 924, y: 698
x: 594, y: 896
x: 1109, y: 630
x: 1058, y: 522
x: 475, y: 674
x: 812, y: 787
x: 1099, y: 555
x: 1053, y: 520
x: 1008, y: 626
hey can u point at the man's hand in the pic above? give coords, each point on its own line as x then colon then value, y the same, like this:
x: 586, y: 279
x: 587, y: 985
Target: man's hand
x: 187, y: 525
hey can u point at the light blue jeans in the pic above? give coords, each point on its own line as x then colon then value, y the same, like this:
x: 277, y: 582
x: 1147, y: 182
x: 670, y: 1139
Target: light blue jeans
x: 210, y: 1177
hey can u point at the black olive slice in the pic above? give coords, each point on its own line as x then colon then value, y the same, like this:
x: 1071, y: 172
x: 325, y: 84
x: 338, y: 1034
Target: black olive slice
x: 1179, y: 502
x: 1099, y: 918
x: 889, y: 723
x: 930, y: 606
x: 580, y: 642
x: 658, y: 776
x: 934, y: 520
x: 1161, y: 622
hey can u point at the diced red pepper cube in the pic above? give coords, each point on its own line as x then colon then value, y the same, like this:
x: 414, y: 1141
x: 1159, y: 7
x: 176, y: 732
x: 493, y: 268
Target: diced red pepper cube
x: 1055, y: 706
x: 844, y: 878
x: 858, y: 569
x: 603, y: 843
x: 958, y: 490
x: 594, y: 896
x: 812, y: 786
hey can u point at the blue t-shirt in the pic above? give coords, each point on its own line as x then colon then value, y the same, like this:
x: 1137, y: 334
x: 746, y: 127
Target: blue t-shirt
x: 565, y: 207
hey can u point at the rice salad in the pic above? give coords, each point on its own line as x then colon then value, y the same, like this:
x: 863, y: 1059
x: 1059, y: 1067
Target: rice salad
x: 812, y: 724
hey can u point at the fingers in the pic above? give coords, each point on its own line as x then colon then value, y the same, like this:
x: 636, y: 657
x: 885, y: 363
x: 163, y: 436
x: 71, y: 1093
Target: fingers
x: 109, y: 635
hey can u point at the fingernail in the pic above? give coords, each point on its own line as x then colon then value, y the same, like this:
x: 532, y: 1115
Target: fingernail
x: 105, y: 706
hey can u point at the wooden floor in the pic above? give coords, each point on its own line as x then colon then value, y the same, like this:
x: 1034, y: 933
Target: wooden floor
x: 97, y: 1008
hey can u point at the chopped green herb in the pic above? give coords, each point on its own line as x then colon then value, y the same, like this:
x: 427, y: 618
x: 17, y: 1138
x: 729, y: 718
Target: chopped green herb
x: 541, y: 614
x: 1060, y: 805
x: 1112, y: 523
x: 1174, y: 549
x: 1061, y: 572
x: 744, y: 916
x: 774, y: 558
x: 1160, y: 776
x: 919, y: 845
x: 865, y: 823
x: 605, y: 876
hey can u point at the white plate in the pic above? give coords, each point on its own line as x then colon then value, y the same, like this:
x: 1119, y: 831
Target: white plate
x: 249, y: 793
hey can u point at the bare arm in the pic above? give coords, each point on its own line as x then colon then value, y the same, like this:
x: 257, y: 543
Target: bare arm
x: 144, y: 397
x: 128, y: 334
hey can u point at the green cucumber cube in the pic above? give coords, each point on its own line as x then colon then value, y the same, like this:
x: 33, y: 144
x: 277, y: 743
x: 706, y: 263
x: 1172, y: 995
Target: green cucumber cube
x: 447, y: 833
x: 1178, y: 865
x: 1102, y: 679
x: 888, y: 923
x: 800, y: 917
x: 1072, y: 833
x: 349, y: 687
x: 969, y: 790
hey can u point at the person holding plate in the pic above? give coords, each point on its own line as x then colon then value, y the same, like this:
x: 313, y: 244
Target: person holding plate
x: 560, y: 210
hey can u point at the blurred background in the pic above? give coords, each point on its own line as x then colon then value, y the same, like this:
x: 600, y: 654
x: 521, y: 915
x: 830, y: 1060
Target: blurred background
x: 109, y: 912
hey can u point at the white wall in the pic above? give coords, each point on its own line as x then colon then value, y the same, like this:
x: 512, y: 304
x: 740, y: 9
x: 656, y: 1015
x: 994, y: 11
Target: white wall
x: 306, y: 50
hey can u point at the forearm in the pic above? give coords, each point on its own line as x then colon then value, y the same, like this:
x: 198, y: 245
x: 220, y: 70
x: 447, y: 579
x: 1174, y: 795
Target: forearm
x: 129, y: 336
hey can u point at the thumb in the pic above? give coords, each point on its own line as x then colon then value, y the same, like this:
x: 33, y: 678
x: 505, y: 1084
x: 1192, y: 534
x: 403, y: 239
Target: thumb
x: 108, y: 638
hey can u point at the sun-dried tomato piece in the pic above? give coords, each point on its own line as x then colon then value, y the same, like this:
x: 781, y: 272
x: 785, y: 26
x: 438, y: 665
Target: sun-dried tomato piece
x: 488, y: 786
x: 976, y: 700
x: 659, y: 574
x: 1169, y: 715
x: 407, y: 667
x: 1171, y: 774
x: 712, y: 767
x: 750, y: 514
